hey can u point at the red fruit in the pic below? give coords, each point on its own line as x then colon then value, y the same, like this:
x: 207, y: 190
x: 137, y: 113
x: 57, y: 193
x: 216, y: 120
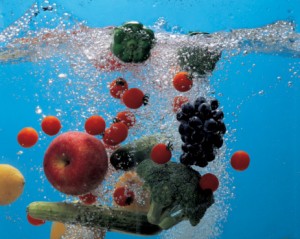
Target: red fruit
x: 75, y: 163
x: 127, y: 118
x: 240, y: 160
x: 118, y: 87
x: 35, y: 222
x: 51, y: 125
x: 161, y: 153
x: 95, y: 125
x: 134, y: 98
x: 182, y: 81
x: 27, y: 137
x: 209, y: 181
x: 88, y: 199
x: 178, y: 102
x: 123, y: 196
x: 115, y: 134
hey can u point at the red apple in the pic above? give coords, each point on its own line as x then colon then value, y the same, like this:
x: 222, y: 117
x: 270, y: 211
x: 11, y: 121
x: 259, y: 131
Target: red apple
x: 75, y: 163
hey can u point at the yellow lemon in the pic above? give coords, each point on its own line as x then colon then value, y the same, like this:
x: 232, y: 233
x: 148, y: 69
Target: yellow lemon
x: 58, y: 229
x: 11, y: 184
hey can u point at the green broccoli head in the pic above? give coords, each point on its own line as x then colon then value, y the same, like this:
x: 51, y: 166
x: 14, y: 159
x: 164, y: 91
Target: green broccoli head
x: 175, y: 193
x: 132, y: 42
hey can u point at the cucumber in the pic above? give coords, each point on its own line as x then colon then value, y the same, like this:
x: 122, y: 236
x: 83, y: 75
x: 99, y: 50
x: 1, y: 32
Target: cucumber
x: 130, y: 155
x: 114, y: 219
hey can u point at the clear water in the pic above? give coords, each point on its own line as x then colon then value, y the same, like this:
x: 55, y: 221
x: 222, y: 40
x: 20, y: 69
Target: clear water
x: 256, y: 82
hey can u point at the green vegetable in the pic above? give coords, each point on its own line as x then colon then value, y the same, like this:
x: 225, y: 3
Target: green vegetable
x: 114, y: 219
x: 175, y: 193
x: 200, y: 60
x: 132, y: 42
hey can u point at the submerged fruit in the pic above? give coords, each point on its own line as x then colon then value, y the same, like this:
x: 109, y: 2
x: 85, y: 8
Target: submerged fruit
x: 95, y: 125
x: 240, y: 160
x: 134, y: 98
x: 115, y: 134
x: 161, y: 153
x: 118, y: 87
x: 123, y: 196
x: 51, y: 125
x: 27, y: 137
x: 209, y: 181
x: 11, y: 184
x: 182, y: 81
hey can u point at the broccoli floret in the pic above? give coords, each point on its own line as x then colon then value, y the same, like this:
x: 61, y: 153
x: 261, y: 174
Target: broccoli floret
x: 175, y: 193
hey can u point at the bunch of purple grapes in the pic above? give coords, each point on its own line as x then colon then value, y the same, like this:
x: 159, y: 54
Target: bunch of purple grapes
x: 202, y: 130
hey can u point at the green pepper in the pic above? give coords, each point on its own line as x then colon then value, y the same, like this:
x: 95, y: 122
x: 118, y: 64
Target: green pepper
x: 197, y: 59
x: 132, y: 42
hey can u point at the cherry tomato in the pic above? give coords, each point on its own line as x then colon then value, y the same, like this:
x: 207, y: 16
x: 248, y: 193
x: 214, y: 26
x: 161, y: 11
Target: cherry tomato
x: 161, y: 153
x: 118, y: 87
x: 127, y: 118
x: 182, y: 81
x: 134, y: 98
x: 51, y: 125
x: 209, y: 181
x: 27, y: 137
x: 123, y: 196
x: 95, y: 125
x: 115, y: 134
x: 240, y: 160
x: 178, y: 102
x: 88, y: 199
x: 35, y: 222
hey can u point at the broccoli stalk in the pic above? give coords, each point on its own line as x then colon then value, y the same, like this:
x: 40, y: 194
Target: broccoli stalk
x: 175, y: 193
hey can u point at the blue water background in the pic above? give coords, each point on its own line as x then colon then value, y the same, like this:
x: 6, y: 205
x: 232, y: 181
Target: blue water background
x: 266, y: 203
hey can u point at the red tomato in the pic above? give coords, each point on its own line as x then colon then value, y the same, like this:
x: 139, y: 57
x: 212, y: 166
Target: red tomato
x: 95, y: 125
x: 209, y: 181
x: 240, y: 160
x: 35, y: 222
x: 118, y: 87
x: 133, y: 98
x: 88, y: 199
x: 161, y: 154
x: 127, y: 118
x: 51, y: 125
x: 123, y: 196
x: 27, y: 137
x: 178, y: 102
x: 182, y: 81
x: 115, y: 134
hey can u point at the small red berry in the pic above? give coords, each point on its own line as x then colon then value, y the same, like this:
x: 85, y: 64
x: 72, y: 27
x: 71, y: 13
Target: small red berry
x: 209, y: 181
x: 123, y: 196
x: 178, y: 102
x: 127, y: 118
x: 161, y: 154
x: 115, y: 134
x: 134, y: 98
x: 88, y: 199
x: 95, y: 125
x: 118, y: 87
x: 34, y: 221
x: 182, y: 81
x: 240, y: 160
